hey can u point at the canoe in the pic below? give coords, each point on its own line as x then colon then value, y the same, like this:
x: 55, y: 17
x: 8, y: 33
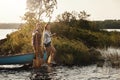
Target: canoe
x: 17, y: 59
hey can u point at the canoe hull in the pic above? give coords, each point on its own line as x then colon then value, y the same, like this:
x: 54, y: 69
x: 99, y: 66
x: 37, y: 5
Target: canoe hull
x: 17, y: 59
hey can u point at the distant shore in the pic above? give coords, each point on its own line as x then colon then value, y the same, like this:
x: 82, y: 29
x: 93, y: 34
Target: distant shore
x: 10, y: 25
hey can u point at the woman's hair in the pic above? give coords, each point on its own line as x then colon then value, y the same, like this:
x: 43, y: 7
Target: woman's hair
x: 46, y: 26
x: 39, y: 27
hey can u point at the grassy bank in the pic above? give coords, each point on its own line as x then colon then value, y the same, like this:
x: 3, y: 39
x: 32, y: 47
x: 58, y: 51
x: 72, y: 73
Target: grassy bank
x: 73, y: 43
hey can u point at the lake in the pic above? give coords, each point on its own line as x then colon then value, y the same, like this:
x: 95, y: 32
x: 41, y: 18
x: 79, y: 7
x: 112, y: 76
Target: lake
x: 4, y: 32
x: 118, y: 30
x: 62, y: 73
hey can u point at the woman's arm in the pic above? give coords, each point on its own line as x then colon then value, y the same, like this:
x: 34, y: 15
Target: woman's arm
x: 53, y: 34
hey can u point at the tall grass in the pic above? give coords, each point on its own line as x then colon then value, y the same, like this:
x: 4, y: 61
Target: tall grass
x: 70, y: 51
x: 112, y: 55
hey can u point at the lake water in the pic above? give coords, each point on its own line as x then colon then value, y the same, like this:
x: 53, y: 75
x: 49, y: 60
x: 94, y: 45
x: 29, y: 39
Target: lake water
x: 109, y: 30
x: 4, y: 32
x: 62, y: 73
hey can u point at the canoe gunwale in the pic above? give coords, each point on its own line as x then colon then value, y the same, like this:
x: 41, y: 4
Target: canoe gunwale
x: 17, y: 59
x: 4, y: 56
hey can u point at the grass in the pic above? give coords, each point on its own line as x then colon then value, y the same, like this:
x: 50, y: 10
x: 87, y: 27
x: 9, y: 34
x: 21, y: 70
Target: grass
x: 112, y: 55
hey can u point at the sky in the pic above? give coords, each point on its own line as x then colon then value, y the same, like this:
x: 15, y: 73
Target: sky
x: 11, y: 11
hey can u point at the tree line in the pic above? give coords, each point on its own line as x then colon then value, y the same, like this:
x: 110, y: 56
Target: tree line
x: 108, y: 24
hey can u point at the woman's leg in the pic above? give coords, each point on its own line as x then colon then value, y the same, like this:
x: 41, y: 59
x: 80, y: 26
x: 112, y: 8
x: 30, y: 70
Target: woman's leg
x: 48, y: 49
x: 40, y: 51
x: 35, y: 51
x: 36, y: 59
x: 53, y: 51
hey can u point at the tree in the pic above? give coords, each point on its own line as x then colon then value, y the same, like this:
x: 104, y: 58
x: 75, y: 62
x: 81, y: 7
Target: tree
x: 65, y: 17
x: 75, y: 19
x: 83, y: 22
x: 83, y: 15
x: 41, y: 8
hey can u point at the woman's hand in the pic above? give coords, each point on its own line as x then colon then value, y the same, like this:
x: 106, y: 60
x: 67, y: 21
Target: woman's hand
x: 53, y: 34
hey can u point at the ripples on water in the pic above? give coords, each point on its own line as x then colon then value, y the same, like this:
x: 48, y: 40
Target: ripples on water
x: 62, y: 73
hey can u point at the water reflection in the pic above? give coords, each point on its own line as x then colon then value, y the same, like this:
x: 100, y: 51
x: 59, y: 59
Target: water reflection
x: 10, y: 72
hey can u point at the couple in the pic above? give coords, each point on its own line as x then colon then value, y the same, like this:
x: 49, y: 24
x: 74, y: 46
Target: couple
x: 43, y: 36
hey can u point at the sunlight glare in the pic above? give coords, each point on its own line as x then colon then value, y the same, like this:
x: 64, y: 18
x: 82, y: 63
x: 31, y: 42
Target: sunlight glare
x: 11, y: 10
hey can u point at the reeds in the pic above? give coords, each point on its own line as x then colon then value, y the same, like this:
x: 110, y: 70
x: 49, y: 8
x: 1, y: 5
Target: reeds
x: 111, y: 55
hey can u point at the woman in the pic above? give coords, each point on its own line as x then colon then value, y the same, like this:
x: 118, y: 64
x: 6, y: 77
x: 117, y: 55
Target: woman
x: 36, y: 42
x: 48, y: 45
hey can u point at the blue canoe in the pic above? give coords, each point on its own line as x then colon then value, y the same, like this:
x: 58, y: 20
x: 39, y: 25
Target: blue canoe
x: 18, y: 59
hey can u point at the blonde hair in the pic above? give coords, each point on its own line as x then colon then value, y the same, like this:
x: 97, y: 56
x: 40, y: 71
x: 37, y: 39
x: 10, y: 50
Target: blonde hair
x: 42, y: 38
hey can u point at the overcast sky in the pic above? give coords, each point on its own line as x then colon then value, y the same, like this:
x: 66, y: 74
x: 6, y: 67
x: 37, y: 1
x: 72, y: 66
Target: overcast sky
x: 11, y: 10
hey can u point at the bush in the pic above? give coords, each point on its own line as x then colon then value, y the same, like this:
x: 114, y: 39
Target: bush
x: 71, y: 52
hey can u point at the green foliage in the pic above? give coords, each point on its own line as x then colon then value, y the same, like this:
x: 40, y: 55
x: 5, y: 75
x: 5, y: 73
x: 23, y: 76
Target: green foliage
x: 89, y: 35
x: 115, y: 39
x: 70, y: 51
x: 72, y: 16
x: 18, y: 42
x: 108, y: 24
x: 75, y: 19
